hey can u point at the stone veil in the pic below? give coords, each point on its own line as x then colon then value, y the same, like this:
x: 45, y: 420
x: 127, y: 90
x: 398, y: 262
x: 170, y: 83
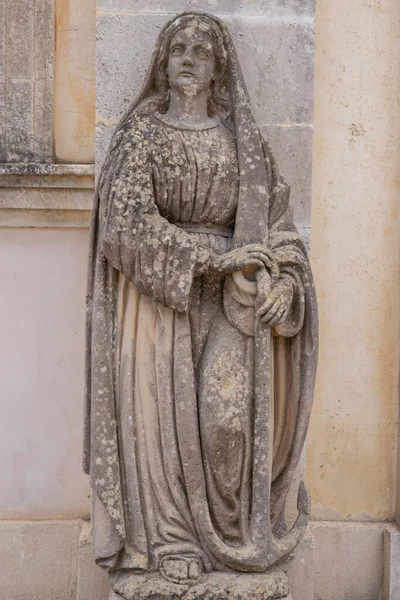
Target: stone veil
x: 196, y: 411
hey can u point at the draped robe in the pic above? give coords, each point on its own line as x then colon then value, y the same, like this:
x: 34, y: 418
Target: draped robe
x: 171, y: 438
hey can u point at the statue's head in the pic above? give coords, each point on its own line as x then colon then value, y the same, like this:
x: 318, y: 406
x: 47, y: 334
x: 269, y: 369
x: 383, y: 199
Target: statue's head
x: 192, y: 58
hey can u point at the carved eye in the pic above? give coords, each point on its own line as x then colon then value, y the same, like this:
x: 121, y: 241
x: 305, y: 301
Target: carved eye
x: 202, y: 53
x: 176, y: 50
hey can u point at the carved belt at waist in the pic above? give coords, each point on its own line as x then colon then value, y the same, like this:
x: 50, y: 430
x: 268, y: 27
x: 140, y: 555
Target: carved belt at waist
x: 206, y: 228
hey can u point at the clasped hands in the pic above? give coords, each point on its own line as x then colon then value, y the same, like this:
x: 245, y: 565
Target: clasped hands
x: 273, y: 302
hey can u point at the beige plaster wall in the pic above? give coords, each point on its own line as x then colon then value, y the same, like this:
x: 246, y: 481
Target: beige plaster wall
x: 42, y: 295
x: 74, y: 80
x: 351, y: 459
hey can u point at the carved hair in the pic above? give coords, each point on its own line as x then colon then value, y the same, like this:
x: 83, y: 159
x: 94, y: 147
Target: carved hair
x: 218, y: 99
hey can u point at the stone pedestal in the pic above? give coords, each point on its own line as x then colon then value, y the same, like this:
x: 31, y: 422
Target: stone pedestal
x: 301, y: 569
x: 391, y: 566
x: 216, y: 586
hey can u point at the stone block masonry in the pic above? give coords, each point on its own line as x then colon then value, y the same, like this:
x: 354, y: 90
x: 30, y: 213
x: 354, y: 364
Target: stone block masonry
x: 26, y: 81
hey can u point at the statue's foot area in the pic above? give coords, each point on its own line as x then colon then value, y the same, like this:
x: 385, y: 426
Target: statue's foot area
x: 215, y: 586
x: 180, y: 569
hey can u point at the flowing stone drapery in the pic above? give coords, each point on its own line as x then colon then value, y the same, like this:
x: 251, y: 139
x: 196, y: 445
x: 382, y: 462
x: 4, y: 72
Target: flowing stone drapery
x: 211, y: 388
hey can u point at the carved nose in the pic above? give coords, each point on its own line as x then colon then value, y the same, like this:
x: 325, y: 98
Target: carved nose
x: 187, y: 61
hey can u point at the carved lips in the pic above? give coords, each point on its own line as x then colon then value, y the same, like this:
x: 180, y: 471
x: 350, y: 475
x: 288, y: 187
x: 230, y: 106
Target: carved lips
x: 187, y: 73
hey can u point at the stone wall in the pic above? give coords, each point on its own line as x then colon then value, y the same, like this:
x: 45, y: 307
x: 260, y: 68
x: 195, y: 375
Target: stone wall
x: 352, y: 447
x: 46, y: 188
x: 26, y: 81
x: 352, y: 465
x: 46, y: 119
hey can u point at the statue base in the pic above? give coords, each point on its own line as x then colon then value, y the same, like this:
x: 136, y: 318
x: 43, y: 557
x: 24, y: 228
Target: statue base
x: 214, y: 586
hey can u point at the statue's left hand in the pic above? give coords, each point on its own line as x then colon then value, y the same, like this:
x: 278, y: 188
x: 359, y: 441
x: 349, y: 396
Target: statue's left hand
x: 274, y: 308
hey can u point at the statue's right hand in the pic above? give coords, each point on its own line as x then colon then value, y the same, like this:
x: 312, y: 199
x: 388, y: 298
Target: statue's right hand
x: 253, y: 255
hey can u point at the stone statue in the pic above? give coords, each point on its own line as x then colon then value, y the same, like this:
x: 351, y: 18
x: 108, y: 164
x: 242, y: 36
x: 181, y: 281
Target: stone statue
x: 201, y: 337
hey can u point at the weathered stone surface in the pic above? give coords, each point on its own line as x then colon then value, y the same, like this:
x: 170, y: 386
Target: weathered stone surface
x: 301, y: 569
x: 93, y: 582
x: 20, y: 19
x: 218, y: 7
x: 277, y: 63
x: 103, y: 138
x: 27, y: 40
x: 38, y: 560
x: 45, y: 195
x: 216, y: 586
x: 46, y: 175
x: 348, y: 560
x: 19, y: 120
x: 292, y: 146
x: 391, y: 567
x: 3, y: 80
x: 305, y: 233
x: 156, y: 212
x: 276, y: 58
x: 119, y: 81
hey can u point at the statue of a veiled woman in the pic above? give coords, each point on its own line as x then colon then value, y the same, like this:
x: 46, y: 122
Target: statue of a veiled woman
x: 201, y: 327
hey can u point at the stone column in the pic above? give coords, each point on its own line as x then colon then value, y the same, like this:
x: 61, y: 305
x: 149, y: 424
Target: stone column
x: 74, y: 86
x: 352, y: 445
x: 26, y: 81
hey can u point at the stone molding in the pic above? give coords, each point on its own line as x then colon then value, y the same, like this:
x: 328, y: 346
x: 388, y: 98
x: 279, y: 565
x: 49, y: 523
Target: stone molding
x: 46, y: 175
x: 46, y: 195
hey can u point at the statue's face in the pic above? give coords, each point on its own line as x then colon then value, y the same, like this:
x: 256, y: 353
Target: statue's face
x: 191, y: 61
